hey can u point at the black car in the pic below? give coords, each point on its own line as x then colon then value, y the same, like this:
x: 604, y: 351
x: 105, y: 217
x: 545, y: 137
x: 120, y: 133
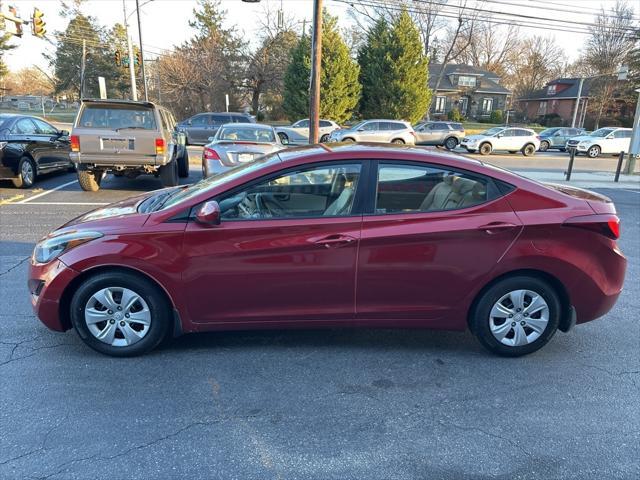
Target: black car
x: 29, y: 146
x: 199, y: 128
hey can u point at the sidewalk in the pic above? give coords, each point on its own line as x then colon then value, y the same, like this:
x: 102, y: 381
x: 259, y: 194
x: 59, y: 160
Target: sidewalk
x: 584, y: 179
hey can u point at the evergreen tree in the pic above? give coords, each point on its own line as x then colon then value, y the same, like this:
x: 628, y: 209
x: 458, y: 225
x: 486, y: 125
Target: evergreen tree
x: 374, y: 70
x: 339, y: 87
x: 4, y: 46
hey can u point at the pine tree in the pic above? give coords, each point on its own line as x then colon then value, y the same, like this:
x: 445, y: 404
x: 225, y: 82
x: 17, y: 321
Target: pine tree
x: 374, y: 70
x: 339, y: 87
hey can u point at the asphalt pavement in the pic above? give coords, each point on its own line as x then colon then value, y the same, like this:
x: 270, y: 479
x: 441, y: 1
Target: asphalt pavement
x: 322, y: 404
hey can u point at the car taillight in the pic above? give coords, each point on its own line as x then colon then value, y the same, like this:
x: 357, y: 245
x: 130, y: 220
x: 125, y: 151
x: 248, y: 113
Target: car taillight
x: 606, y: 224
x: 413, y: 133
x: 160, y: 147
x: 210, y: 154
x: 75, y: 143
x: 538, y: 137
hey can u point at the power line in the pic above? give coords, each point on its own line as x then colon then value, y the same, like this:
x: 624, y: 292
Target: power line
x: 554, y: 9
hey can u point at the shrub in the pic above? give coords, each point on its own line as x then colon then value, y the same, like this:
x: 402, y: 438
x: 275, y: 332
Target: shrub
x: 496, y: 117
x: 454, y: 115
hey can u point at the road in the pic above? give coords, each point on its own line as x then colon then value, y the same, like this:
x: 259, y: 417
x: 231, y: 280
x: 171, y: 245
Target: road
x: 333, y: 404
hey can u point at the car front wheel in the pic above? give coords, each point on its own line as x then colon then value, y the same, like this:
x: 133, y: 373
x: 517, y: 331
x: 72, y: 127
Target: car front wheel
x: 485, y: 149
x: 594, y: 151
x: 544, y: 146
x: 516, y: 316
x: 120, y: 314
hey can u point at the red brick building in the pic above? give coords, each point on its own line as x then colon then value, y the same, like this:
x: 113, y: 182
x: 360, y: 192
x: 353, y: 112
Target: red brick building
x: 557, y: 97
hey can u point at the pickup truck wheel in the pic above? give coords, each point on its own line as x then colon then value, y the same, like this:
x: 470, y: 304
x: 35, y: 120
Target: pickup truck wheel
x: 183, y: 164
x: 169, y: 174
x: 89, y: 180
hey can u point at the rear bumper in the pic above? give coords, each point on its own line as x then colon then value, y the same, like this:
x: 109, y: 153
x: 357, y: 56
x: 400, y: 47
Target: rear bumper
x: 125, y: 161
x: 47, y: 284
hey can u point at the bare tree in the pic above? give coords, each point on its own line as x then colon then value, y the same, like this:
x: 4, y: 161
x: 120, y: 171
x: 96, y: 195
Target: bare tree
x: 540, y: 59
x: 492, y: 47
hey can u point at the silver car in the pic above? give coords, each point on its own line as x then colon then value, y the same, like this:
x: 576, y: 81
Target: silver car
x: 441, y: 134
x: 236, y: 143
x: 385, y: 131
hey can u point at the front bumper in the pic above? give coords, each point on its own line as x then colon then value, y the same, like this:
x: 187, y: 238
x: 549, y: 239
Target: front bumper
x: 47, y: 284
x: 582, y: 148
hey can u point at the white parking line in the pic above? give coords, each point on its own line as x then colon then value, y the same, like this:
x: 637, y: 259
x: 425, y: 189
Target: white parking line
x: 28, y: 200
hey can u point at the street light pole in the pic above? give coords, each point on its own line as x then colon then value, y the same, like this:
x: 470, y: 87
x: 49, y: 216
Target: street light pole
x: 144, y: 73
x: 575, y: 111
x: 316, y: 60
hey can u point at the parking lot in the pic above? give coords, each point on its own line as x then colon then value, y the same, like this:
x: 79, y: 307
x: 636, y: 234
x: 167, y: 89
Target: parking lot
x: 311, y: 404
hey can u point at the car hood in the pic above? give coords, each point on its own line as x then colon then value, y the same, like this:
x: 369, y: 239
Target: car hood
x: 580, y: 138
x: 475, y: 137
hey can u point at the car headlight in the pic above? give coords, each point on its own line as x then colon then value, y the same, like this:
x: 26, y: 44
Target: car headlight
x: 52, y: 247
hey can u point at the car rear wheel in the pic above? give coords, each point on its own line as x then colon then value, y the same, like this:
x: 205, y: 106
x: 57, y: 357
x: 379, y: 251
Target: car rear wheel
x: 544, y: 146
x: 485, y: 149
x: 512, y: 151
x: 26, y: 173
x: 471, y: 150
x: 90, y: 180
x: 324, y: 138
x: 169, y: 174
x: 516, y: 316
x: 120, y: 314
x: 594, y: 151
x: 451, y: 143
x: 183, y: 164
x: 529, y: 149
x: 397, y: 141
x: 348, y: 140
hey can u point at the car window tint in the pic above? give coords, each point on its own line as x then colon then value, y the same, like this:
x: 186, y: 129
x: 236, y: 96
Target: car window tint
x: 413, y: 188
x: 220, y: 119
x: 199, y: 121
x: 370, y: 127
x: 44, y: 128
x: 326, y: 191
x: 324, y: 123
x: 440, y: 126
x: 510, y: 132
x: 622, y: 134
x: 24, y: 126
x: 303, y: 124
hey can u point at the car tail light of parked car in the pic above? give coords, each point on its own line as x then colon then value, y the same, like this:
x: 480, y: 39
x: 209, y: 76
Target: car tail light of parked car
x: 210, y: 154
x: 75, y: 143
x: 608, y: 225
x: 160, y: 146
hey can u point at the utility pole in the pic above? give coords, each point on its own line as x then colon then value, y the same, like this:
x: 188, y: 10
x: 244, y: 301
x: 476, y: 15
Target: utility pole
x: 575, y: 110
x: 316, y: 60
x: 132, y: 68
x: 144, y: 73
x: 82, y: 68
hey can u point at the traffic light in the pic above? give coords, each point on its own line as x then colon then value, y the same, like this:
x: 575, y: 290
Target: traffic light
x: 117, y: 56
x: 138, y: 58
x: 38, y: 23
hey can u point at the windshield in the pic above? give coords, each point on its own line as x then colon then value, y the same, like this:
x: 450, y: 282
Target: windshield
x: 228, y: 176
x: 602, y: 132
x: 246, y: 134
x: 117, y: 117
x: 492, y: 131
x: 357, y: 125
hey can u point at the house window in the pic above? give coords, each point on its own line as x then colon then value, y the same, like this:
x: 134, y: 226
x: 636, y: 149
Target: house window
x: 551, y: 89
x: 542, y: 108
x: 465, y: 81
x: 441, y: 103
x: 487, y: 105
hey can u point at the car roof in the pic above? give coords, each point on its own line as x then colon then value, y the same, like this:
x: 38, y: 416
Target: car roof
x: 119, y: 102
x: 248, y: 124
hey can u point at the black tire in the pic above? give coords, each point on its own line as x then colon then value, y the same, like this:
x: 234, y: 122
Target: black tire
x: 485, y: 149
x: 480, y: 318
x: 451, y: 143
x: 324, y: 138
x: 594, y: 151
x: 397, y: 141
x: 183, y: 164
x: 562, y: 149
x: 512, y: 151
x: 544, y: 146
x: 169, y: 174
x: 161, y: 317
x: 27, y: 173
x: 471, y: 150
x: 348, y: 140
x: 89, y: 180
x: 528, y: 150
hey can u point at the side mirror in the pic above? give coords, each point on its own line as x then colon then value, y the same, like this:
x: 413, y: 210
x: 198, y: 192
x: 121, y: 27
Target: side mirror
x: 63, y: 133
x: 361, y: 129
x: 499, y: 135
x: 208, y: 214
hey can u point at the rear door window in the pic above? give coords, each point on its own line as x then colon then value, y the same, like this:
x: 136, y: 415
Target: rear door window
x: 24, y: 126
x: 221, y: 119
x: 44, y: 128
x: 117, y: 117
x: 199, y: 121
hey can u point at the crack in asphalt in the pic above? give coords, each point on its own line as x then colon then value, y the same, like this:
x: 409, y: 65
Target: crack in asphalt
x: 488, y: 434
x: 16, y: 345
x: 39, y: 449
x: 615, y: 374
x: 15, y: 266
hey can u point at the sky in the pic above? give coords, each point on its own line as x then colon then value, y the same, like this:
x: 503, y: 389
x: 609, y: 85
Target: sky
x: 165, y: 22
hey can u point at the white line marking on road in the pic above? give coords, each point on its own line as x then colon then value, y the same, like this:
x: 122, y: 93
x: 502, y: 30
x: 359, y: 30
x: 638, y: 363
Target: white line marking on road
x: 27, y: 200
x: 62, y: 203
x: 632, y: 191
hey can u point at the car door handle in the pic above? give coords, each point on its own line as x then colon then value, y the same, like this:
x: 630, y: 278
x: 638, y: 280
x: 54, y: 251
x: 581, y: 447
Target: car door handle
x: 496, y: 227
x: 334, y: 240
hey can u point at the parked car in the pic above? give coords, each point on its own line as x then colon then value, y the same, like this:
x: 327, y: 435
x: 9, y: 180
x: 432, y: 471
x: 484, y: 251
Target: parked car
x: 200, y: 127
x: 301, y: 128
x: 386, y: 131
x: 557, y: 137
x: 30, y: 146
x: 126, y: 138
x: 237, y: 143
x: 604, y: 140
x: 511, y: 139
x: 331, y: 236
x: 441, y: 134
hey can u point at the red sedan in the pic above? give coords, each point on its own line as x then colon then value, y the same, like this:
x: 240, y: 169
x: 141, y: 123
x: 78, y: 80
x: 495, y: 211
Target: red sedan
x: 346, y: 235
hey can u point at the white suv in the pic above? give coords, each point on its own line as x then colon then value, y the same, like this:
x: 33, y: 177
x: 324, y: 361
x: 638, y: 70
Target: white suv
x: 511, y: 139
x: 603, y: 140
x: 385, y: 131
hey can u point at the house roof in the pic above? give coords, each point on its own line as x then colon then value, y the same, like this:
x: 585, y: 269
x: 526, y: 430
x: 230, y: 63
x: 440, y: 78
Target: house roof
x: 570, y: 92
x: 489, y: 80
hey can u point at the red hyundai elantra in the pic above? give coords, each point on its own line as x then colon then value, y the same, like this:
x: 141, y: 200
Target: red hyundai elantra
x: 346, y: 235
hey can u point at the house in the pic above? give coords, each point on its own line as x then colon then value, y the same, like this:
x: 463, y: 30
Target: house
x: 474, y: 92
x: 558, y: 97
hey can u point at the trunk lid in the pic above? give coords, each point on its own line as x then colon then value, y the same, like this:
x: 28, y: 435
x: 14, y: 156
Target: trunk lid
x: 599, y: 203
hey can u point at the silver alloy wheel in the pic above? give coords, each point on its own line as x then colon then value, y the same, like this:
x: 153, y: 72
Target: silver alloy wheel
x: 26, y: 172
x: 117, y: 316
x: 519, y: 318
x: 594, y: 151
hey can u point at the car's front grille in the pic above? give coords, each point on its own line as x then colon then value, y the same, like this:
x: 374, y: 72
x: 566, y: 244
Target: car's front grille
x: 573, y: 142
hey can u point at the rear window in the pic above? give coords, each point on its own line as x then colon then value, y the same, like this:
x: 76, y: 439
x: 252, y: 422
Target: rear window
x: 117, y: 117
x: 245, y: 134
